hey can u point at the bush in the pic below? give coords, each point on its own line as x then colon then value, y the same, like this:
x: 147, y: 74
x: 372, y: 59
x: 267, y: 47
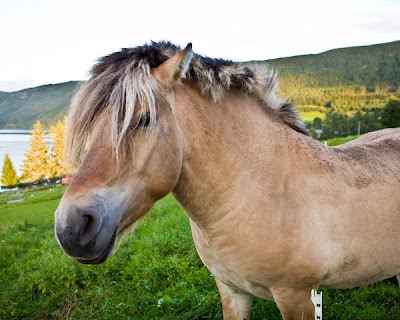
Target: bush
x: 391, y: 114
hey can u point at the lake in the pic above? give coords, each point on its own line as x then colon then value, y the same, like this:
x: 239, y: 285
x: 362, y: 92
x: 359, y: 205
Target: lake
x: 16, y: 143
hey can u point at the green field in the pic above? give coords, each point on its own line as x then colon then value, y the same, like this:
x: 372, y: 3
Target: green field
x: 155, y: 273
x: 340, y: 140
x: 311, y: 115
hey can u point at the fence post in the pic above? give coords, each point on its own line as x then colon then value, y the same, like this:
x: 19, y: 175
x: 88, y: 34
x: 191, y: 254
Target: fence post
x: 316, y: 298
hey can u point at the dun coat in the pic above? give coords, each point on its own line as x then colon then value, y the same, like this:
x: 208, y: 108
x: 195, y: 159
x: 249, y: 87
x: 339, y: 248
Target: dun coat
x: 273, y: 212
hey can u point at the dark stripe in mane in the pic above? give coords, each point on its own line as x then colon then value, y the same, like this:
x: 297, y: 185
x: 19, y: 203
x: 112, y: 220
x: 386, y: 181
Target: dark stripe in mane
x: 213, y: 77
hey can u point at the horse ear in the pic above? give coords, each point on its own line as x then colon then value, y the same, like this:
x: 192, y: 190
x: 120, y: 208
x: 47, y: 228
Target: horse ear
x: 174, y: 69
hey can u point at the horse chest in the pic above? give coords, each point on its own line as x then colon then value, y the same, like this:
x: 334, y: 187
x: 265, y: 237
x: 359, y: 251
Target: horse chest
x: 229, y: 272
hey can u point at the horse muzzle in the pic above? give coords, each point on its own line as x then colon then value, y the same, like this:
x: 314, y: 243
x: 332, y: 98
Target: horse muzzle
x: 86, y: 233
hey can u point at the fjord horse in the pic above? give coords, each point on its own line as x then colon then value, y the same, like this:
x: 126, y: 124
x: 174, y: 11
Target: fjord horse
x: 274, y: 213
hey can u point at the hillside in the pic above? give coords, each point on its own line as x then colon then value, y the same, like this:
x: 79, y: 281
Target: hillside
x: 347, y: 79
x: 47, y: 103
x: 369, y: 65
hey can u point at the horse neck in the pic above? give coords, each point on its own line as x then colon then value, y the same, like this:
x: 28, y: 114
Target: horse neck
x: 229, y: 148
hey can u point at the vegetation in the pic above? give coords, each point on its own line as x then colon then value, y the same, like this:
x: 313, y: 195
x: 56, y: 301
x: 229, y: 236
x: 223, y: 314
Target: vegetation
x: 9, y: 177
x: 338, y: 141
x: 348, y: 79
x: 41, y: 164
x: 35, y: 166
x: 391, y: 114
x: 338, y: 124
x: 154, y: 274
x: 369, y: 65
x: 309, y: 116
x: 56, y: 165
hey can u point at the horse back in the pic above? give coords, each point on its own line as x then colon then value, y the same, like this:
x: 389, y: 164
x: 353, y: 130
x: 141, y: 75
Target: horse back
x: 374, y: 137
x: 376, y: 153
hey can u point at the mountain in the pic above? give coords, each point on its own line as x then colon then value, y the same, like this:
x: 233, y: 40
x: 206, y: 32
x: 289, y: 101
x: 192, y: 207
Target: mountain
x: 347, y: 79
x: 46, y: 103
x: 368, y: 65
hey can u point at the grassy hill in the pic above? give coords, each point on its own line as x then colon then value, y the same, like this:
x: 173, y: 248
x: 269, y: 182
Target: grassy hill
x: 347, y: 80
x: 47, y: 103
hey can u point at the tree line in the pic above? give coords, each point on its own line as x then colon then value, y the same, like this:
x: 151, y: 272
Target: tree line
x: 40, y: 162
x: 338, y: 124
x: 342, y: 98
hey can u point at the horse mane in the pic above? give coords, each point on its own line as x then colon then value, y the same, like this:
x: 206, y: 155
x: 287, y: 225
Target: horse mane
x: 119, y: 80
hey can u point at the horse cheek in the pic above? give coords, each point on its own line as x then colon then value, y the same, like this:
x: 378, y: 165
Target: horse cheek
x: 165, y: 169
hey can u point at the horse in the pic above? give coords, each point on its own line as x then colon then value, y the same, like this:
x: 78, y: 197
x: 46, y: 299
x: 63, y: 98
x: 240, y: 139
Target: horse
x: 273, y: 212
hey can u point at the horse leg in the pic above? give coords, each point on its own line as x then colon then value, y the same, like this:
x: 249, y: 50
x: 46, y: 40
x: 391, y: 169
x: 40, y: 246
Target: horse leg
x: 294, y: 304
x: 236, y: 305
x: 398, y: 278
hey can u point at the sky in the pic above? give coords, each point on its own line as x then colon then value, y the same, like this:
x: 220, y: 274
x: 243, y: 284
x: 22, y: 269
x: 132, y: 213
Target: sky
x: 55, y: 41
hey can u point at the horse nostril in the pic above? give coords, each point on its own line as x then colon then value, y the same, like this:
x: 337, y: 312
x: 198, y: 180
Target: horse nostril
x: 90, y: 226
x: 87, y: 223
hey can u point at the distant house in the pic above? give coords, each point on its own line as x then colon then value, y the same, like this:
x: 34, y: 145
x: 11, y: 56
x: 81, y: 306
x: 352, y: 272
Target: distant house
x: 66, y: 180
x: 319, y: 132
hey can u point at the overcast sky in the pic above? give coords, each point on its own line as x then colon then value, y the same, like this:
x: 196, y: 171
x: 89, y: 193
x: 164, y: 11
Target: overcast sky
x: 54, y: 41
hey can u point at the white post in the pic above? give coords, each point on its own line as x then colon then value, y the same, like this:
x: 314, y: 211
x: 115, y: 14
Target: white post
x: 316, y: 298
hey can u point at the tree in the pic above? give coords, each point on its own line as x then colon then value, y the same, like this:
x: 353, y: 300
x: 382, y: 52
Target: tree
x: 317, y: 123
x: 57, y: 167
x: 35, y: 166
x: 391, y: 114
x: 9, y: 177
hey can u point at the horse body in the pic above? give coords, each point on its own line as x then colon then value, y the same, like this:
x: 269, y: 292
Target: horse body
x: 253, y: 221
x: 273, y: 212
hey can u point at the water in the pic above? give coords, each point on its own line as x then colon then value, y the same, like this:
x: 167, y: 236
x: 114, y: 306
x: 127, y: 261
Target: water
x: 16, y: 143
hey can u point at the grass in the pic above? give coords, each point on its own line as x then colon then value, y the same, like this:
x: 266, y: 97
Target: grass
x: 340, y: 140
x: 154, y: 274
x: 311, y: 115
x: 37, y: 206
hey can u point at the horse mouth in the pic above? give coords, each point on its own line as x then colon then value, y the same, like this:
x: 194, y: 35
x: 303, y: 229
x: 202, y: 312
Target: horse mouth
x: 104, y: 255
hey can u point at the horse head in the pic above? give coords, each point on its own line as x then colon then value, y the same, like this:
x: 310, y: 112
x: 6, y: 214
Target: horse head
x: 130, y: 152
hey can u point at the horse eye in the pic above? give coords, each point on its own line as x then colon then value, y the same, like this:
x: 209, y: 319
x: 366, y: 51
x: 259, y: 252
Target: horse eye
x: 144, y: 120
